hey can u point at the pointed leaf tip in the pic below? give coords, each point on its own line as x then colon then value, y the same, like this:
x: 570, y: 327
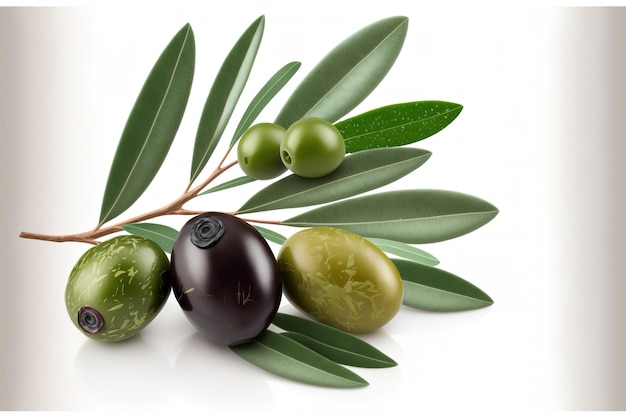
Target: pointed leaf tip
x: 409, y: 216
x: 397, y: 124
x: 432, y: 289
x: 335, y: 344
x: 263, y: 97
x: 151, y: 125
x: 348, y: 73
x: 224, y: 95
x: 287, y: 358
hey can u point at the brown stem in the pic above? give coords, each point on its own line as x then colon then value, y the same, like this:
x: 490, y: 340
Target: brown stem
x: 225, y: 156
x: 78, y: 237
x: 173, y: 208
x: 218, y: 170
x: 194, y: 192
x: 275, y: 222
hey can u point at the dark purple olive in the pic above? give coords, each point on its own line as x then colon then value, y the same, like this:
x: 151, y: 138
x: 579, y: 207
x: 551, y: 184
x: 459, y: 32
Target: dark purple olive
x: 225, y: 278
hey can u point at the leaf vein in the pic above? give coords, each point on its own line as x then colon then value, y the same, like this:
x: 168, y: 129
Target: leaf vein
x: 442, y: 290
x: 399, y: 126
x: 293, y: 359
x: 392, y: 221
x: 337, y: 181
x: 150, y: 131
x: 354, y: 68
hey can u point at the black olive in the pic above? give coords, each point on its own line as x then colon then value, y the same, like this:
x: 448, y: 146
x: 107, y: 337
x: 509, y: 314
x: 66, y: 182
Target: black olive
x: 225, y: 278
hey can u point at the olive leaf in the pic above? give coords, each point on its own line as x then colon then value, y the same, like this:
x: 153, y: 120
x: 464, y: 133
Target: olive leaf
x: 397, y: 124
x: 348, y: 73
x: 335, y: 344
x: 271, y: 235
x: 404, y: 250
x: 285, y: 357
x: 151, y: 125
x: 162, y: 235
x: 224, y: 94
x: 409, y: 216
x: 235, y: 182
x: 358, y: 173
x: 263, y: 97
x: 432, y: 289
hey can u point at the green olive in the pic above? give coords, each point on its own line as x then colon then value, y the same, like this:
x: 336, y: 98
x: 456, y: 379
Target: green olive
x: 117, y: 288
x: 312, y: 148
x: 340, y: 279
x: 258, y: 151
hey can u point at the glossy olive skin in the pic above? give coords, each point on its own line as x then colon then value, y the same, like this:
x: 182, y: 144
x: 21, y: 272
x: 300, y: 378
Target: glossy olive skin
x: 225, y: 278
x: 258, y: 151
x: 312, y: 148
x: 340, y: 279
x: 117, y: 288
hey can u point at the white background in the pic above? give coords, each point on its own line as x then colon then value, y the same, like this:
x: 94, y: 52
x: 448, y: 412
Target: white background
x: 540, y: 136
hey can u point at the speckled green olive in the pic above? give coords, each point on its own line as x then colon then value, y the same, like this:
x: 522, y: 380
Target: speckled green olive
x: 225, y: 278
x: 340, y: 279
x: 117, y: 288
x: 312, y: 148
x: 258, y: 151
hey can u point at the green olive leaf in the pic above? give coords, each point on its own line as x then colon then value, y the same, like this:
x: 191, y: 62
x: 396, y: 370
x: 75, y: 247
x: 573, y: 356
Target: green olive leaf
x: 162, y: 235
x: 263, y: 97
x: 432, y: 289
x: 285, y: 357
x: 404, y: 250
x: 224, y: 94
x: 397, y: 124
x: 348, y: 73
x: 336, y: 345
x: 235, y: 182
x: 358, y: 173
x: 409, y: 216
x: 151, y: 125
x: 271, y: 235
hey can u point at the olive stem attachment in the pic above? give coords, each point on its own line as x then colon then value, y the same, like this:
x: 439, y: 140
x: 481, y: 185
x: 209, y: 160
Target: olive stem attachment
x: 173, y: 208
x: 206, y: 232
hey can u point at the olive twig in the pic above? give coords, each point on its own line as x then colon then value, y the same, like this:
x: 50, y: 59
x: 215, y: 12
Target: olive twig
x: 190, y: 194
x: 173, y: 208
x: 274, y: 222
x: 78, y: 237
x: 230, y: 148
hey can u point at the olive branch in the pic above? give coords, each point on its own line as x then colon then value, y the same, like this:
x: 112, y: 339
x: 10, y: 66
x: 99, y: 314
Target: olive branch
x: 375, y: 145
x: 173, y: 208
x: 376, y: 156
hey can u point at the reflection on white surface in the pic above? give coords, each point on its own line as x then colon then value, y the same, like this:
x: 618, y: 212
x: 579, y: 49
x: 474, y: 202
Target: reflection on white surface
x: 212, y: 377
x: 129, y: 374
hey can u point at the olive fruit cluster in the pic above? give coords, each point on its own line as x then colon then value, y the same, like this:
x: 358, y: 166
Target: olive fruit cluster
x: 228, y: 282
x: 310, y: 147
x: 341, y: 279
x: 222, y: 272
